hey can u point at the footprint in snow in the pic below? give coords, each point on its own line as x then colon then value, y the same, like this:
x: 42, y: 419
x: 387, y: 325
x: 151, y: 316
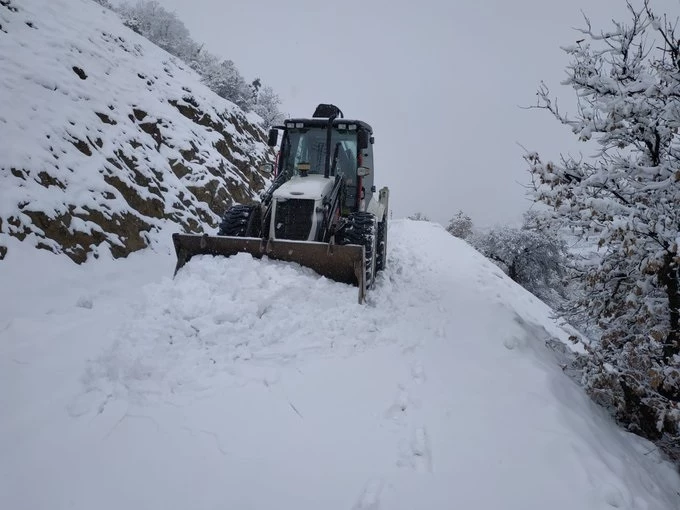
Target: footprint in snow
x: 86, y: 403
x: 417, y: 453
x: 422, y: 455
x: 369, y: 499
x: 514, y: 342
x: 85, y: 302
x: 613, y: 496
x: 418, y: 372
x: 400, y: 406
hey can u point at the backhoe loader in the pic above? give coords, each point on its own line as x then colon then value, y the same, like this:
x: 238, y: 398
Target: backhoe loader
x: 321, y: 210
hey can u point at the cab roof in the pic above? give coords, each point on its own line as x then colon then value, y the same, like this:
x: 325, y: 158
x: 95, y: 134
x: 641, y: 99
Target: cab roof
x: 323, y: 122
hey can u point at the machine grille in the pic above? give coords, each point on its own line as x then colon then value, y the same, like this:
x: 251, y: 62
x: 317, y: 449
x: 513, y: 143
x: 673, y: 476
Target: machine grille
x: 294, y: 219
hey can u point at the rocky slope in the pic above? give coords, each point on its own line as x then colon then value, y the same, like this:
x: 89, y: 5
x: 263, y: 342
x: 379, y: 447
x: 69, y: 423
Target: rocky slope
x: 107, y: 141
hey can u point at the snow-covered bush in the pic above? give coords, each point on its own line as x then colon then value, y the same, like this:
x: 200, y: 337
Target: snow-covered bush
x: 627, y: 82
x: 418, y: 217
x: 460, y: 225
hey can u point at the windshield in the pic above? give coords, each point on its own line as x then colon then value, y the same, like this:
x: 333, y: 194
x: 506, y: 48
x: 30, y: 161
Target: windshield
x: 304, y: 151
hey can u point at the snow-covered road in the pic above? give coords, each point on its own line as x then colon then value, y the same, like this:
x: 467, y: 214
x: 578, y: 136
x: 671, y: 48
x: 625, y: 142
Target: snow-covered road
x: 246, y: 384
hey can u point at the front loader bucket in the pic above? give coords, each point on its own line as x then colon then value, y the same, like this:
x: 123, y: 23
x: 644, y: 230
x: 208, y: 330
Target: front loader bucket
x: 342, y: 263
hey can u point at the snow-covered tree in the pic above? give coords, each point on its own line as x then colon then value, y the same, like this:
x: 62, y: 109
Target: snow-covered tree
x: 226, y: 81
x: 267, y: 106
x: 162, y: 27
x: 531, y: 257
x: 255, y: 85
x: 460, y: 225
x: 627, y: 83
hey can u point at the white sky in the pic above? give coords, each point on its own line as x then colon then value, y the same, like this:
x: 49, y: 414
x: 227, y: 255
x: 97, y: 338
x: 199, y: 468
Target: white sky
x: 441, y: 83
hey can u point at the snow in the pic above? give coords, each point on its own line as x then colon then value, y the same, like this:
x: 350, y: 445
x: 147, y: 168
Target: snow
x: 312, y: 187
x: 257, y: 384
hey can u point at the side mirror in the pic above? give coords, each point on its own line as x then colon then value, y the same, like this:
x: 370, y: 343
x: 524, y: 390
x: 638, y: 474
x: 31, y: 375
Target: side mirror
x: 273, y: 137
x: 363, y: 171
x: 363, y: 139
x: 266, y: 168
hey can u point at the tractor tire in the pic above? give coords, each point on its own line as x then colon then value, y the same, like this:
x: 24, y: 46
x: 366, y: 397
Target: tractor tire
x: 360, y: 228
x: 381, y: 246
x: 241, y: 221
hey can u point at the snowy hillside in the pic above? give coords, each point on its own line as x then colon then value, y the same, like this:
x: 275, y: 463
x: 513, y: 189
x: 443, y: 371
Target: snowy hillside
x: 105, y: 138
x: 246, y: 384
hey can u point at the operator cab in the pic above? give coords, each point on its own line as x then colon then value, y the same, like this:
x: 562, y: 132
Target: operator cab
x: 304, y: 151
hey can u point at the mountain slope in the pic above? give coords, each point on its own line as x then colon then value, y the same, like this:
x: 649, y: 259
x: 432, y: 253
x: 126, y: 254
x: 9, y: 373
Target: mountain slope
x: 256, y: 384
x: 105, y: 139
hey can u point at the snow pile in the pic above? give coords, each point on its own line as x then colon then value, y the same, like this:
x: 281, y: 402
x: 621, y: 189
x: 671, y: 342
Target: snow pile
x: 105, y: 137
x: 257, y: 384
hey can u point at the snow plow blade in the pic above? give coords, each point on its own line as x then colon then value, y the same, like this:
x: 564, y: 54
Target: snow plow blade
x: 341, y: 263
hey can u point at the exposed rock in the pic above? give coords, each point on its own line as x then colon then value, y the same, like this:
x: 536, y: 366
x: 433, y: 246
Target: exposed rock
x: 178, y: 168
x: 76, y: 243
x: 81, y: 146
x: 47, y: 180
x: 3, y: 249
x: 21, y: 174
x: 152, y: 207
x: 105, y: 118
x: 81, y: 74
x: 138, y: 114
